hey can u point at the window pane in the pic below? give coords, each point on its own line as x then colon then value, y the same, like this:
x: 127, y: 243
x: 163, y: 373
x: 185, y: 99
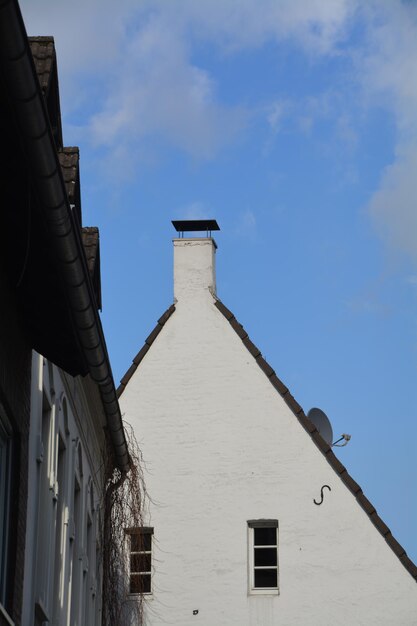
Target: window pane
x: 266, y: 578
x: 265, y: 556
x: 135, y: 584
x: 140, y: 583
x: 146, y: 583
x: 141, y: 563
x: 265, y: 536
x: 140, y: 542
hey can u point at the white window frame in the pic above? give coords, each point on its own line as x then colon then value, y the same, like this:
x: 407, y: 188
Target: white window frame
x: 141, y: 531
x: 252, y: 525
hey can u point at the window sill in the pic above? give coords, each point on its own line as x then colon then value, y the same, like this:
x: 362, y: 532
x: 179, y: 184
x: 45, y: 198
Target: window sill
x: 145, y: 596
x: 263, y: 592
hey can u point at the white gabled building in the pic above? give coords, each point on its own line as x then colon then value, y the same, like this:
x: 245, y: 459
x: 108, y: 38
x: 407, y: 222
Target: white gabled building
x: 232, y: 534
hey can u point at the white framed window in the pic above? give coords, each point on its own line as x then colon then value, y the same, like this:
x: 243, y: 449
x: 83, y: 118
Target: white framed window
x: 263, y: 556
x: 140, y: 560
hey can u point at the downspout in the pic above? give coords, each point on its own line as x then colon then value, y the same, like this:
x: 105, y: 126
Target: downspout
x: 24, y: 92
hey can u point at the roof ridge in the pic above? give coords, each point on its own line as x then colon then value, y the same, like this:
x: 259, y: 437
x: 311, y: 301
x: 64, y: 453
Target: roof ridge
x: 323, y: 446
x: 148, y: 342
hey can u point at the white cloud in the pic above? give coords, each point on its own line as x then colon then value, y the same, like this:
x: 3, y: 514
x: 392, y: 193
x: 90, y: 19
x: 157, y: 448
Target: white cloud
x: 161, y: 93
x: 131, y: 67
x: 276, y: 113
x: 393, y: 205
x: 314, y: 24
x: 388, y: 75
x: 141, y: 53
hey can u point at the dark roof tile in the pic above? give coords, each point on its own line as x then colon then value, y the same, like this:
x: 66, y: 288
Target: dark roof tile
x: 306, y: 423
x: 408, y: 563
x: 278, y: 384
x: 69, y: 158
x: 90, y: 239
x: 138, y: 358
x: 165, y: 316
x: 43, y: 52
x: 223, y: 309
x: 255, y: 352
x: 153, y: 335
x: 128, y: 374
x: 238, y: 328
x: 265, y: 367
x: 379, y: 523
x: 393, y: 543
x: 350, y: 483
x: 320, y: 442
x: 334, y: 462
x: 292, y: 403
x: 148, y: 342
x: 367, y: 506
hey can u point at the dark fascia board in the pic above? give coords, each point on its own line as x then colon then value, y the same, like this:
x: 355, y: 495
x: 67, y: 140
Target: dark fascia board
x: 322, y: 445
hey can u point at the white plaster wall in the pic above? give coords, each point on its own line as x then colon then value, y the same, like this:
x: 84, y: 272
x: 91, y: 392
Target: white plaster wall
x: 221, y: 447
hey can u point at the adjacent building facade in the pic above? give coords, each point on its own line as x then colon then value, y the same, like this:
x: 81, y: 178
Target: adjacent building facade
x: 251, y: 518
x: 61, y: 433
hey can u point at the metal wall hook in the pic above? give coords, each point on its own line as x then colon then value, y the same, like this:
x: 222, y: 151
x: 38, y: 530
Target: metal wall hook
x: 322, y: 496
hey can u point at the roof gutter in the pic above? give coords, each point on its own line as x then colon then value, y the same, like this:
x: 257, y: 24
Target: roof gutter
x: 25, y: 94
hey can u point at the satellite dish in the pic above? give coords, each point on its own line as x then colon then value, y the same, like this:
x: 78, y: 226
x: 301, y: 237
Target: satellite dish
x: 322, y: 423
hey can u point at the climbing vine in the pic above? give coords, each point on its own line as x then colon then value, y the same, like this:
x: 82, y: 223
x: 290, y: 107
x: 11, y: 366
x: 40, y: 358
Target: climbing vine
x: 123, y: 504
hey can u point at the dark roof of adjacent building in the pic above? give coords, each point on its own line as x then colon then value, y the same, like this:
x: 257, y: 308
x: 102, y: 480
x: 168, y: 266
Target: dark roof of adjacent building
x: 40, y: 232
x: 90, y: 237
x: 44, y: 60
x: 69, y: 159
x: 302, y: 418
x: 43, y: 52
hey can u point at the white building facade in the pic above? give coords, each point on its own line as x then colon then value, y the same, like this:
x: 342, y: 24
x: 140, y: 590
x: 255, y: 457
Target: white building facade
x: 63, y: 564
x: 232, y: 468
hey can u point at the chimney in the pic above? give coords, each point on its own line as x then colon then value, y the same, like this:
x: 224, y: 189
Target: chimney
x: 194, y: 259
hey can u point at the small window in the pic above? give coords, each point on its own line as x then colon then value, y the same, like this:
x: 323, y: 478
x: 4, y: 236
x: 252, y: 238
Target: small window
x: 140, y: 556
x: 263, y: 556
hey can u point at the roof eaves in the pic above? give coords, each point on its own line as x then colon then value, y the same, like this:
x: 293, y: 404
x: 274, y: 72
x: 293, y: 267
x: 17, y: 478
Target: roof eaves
x: 140, y: 355
x: 323, y: 446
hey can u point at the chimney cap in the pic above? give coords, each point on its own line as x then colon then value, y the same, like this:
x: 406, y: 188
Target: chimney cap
x: 182, y: 226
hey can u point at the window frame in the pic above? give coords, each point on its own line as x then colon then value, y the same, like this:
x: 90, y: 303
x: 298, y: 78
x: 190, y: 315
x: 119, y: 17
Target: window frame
x: 141, y: 531
x: 252, y: 525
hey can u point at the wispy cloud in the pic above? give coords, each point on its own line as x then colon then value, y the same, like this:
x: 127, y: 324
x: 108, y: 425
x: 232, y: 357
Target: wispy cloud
x: 161, y: 93
x: 388, y: 76
x: 246, y: 224
x: 142, y: 53
x: 134, y: 72
x: 393, y: 205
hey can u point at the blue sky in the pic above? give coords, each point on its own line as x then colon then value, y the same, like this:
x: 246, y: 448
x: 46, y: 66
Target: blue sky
x: 293, y: 123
